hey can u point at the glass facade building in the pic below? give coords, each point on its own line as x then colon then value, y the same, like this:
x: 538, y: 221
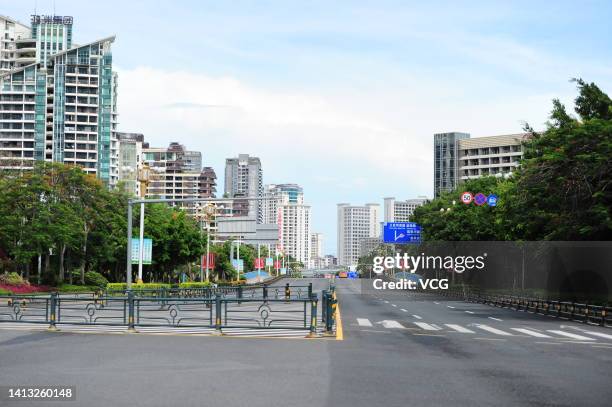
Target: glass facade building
x: 62, y: 106
x: 446, y: 161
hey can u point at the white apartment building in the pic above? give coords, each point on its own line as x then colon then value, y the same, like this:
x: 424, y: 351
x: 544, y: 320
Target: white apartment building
x: 13, y: 32
x: 244, y: 178
x: 354, y: 224
x: 401, y: 211
x: 57, y: 102
x: 316, y: 250
x: 283, y: 205
x: 494, y: 155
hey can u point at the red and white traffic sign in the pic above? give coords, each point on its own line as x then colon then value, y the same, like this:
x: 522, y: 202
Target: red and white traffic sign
x: 467, y: 198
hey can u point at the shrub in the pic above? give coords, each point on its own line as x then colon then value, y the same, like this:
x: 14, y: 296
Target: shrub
x: 12, y: 279
x: 95, y: 279
x: 71, y: 288
x: 195, y: 284
x: 142, y: 286
x: 5, y: 292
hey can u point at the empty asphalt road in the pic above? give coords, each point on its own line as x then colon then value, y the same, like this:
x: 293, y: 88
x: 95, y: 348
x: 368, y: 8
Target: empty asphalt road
x: 396, y: 351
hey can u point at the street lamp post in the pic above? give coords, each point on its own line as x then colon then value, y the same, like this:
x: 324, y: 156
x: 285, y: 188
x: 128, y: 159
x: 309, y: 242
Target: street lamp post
x: 143, y: 178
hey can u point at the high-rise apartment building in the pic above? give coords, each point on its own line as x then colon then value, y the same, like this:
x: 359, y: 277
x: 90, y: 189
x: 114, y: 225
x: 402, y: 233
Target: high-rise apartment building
x: 401, y: 211
x: 130, y: 161
x: 494, y: 155
x: 316, y: 250
x: 208, y: 183
x: 244, y: 178
x: 283, y: 205
x: 457, y: 157
x: 12, y: 33
x: 354, y: 224
x: 445, y: 161
x: 61, y: 107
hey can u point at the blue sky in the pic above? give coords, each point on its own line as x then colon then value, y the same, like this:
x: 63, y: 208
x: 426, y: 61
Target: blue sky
x: 340, y: 97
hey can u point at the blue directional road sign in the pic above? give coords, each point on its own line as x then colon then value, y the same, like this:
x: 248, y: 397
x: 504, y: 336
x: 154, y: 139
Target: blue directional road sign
x: 401, y: 232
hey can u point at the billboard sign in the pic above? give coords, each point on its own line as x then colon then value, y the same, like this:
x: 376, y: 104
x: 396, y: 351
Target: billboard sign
x: 210, y: 262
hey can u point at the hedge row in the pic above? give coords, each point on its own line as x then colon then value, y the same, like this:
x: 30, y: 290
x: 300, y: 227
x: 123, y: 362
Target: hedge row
x: 137, y: 286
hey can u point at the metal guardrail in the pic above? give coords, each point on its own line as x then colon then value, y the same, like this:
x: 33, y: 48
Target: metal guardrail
x: 132, y: 311
x: 244, y: 291
x: 581, y: 312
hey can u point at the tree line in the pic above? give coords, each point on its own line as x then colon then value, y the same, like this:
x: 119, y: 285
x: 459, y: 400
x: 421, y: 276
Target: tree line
x: 58, y: 222
x: 562, y: 189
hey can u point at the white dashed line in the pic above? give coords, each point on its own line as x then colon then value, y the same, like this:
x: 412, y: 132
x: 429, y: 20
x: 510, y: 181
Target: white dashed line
x: 469, y: 312
x: 416, y: 316
x: 426, y: 327
x: 393, y: 305
x: 364, y: 322
x: 404, y: 310
x: 495, y: 319
x: 450, y: 307
x: 530, y: 332
x: 459, y: 328
x: 493, y: 330
x: 571, y: 335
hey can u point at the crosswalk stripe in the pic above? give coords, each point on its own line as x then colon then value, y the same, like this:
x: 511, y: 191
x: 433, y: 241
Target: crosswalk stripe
x: 392, y: 325
x: 493, y: 330
x: 364, y: 322
x: 601, y: 335
x: 530, y: 332
x: 459, y: 328
x: 425, y: 326
x: 571, y: 335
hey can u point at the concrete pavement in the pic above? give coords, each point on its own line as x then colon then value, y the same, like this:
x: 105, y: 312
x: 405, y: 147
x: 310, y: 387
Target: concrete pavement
x: 393, y: 362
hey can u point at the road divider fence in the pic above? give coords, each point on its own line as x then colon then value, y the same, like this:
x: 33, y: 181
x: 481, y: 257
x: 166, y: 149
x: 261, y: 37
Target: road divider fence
x: 581, y: 312
x: 288, y: 307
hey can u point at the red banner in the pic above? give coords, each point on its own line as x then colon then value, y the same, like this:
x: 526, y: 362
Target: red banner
x: 277, y: 264
x: 210, y: 262
x: 259, y: 263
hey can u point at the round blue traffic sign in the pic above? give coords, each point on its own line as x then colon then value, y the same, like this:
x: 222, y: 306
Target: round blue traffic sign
x: 480, y: 199
x: 492, y: 200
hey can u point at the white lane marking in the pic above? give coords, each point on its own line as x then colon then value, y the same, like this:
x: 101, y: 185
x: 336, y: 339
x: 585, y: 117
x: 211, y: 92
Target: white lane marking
x: 404, y: 310
x: 530, y: 332
x: 364, y: 322
x: 391, y: 324
x: 393, y: 305
x: 450, y: 307
x: 495, y: 319
x: 493, y: 330
x: 601, y: 335
x: 386, y: 302
x: 469, y: 312
x: 436, y: 302
x: 459, y: 328
x: 426, y: 327
x: 571, y: 335
x: 416, y: 316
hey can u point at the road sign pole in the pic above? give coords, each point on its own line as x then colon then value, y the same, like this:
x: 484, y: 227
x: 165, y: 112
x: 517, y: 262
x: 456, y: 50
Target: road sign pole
x: 128, y: 267
x: 141, y: 242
